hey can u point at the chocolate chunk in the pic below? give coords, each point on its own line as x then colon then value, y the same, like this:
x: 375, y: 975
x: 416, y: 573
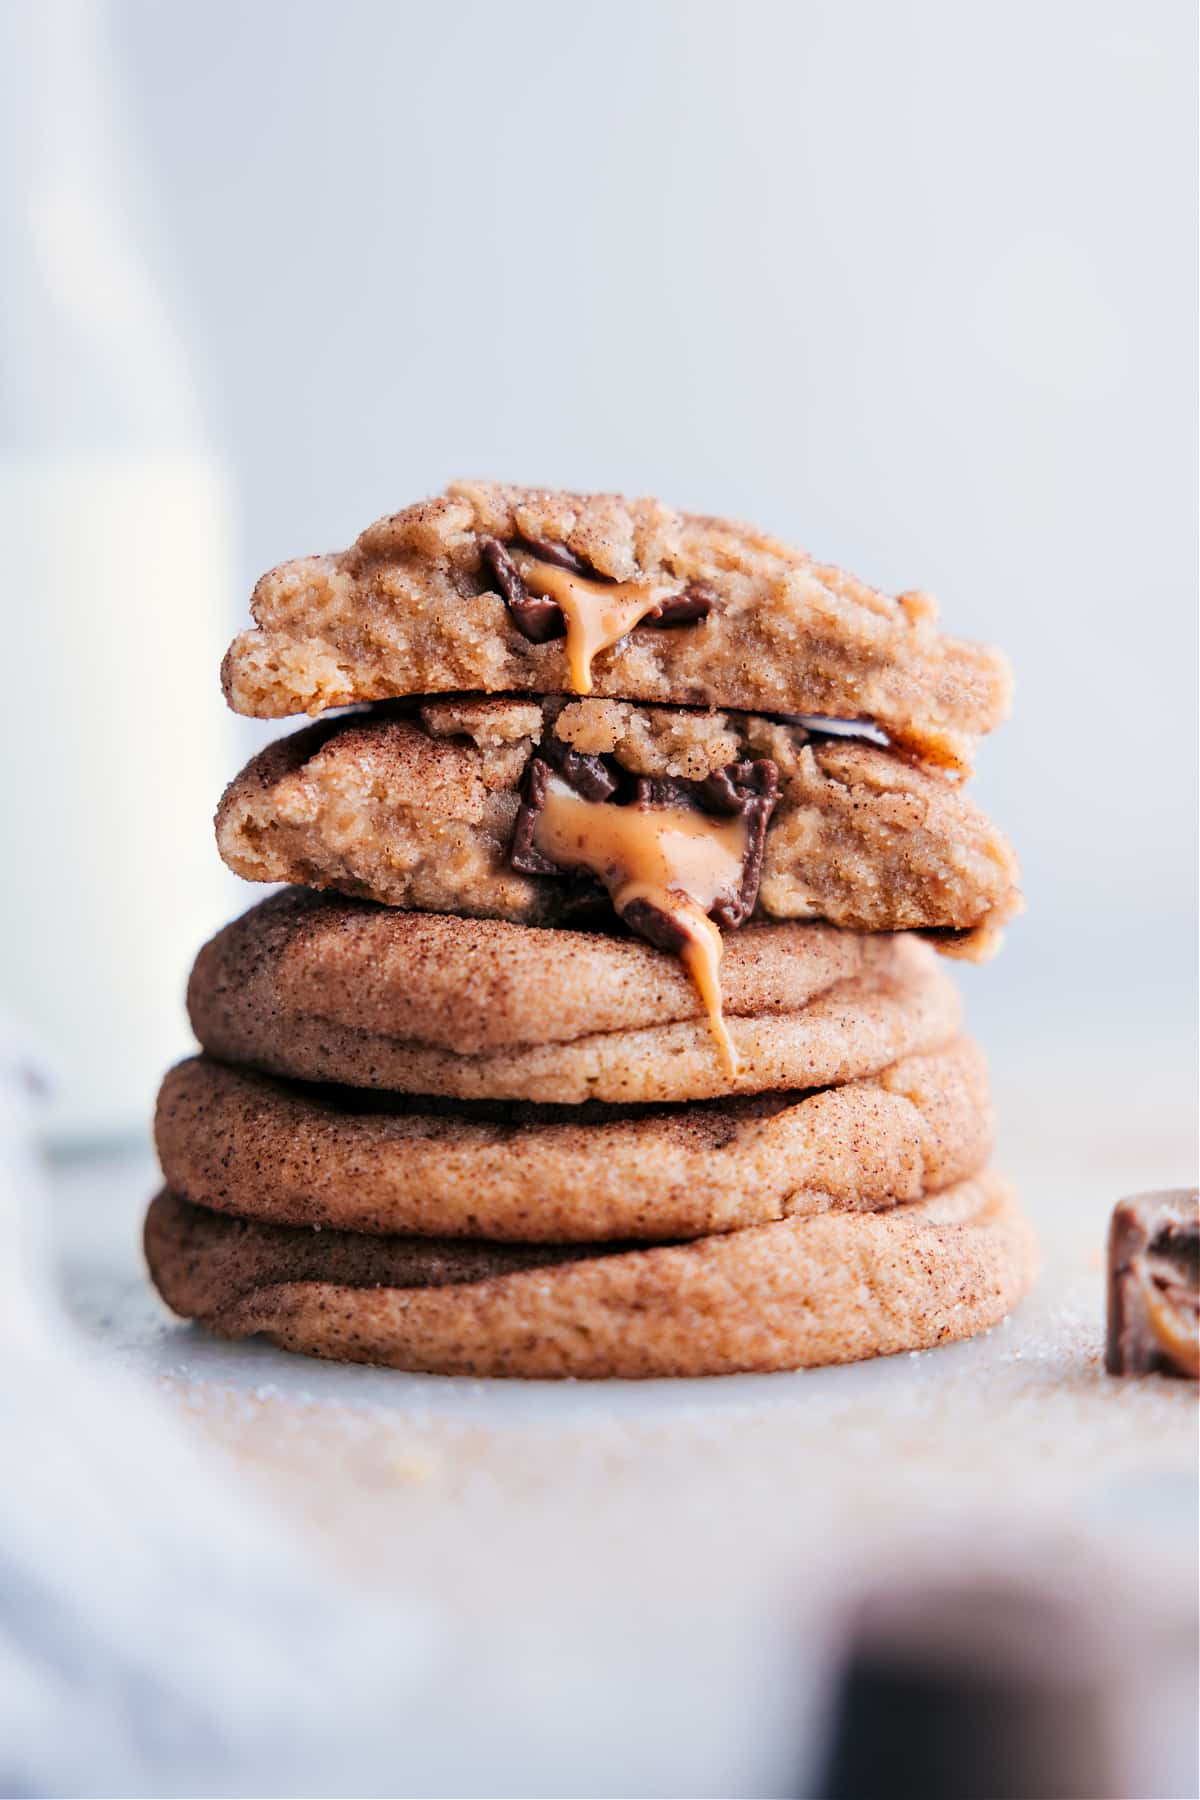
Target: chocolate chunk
x: 735, y: 910
x: 695, y: 602
x: 657, y: 927
x: 538, y: 620
x: 591, y: 779
x: 973, y: 1691
x: 1154, y: 1285
x: 738, y: 785
x: 524, y: 854
x: 751, y: 789
x: 590, y: 776
x: 547, y: 551
x: 748, y: 789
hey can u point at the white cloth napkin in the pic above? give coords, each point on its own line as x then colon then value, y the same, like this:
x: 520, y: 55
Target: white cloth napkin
x: 159, y: 1634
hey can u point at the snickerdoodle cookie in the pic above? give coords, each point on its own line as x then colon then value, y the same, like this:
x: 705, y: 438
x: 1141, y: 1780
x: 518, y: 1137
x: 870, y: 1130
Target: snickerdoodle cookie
x: 340, y: 991
x: 826, y: 1288
x: 499, y: 589
x: 421, y: 807
x: 293, y: 1154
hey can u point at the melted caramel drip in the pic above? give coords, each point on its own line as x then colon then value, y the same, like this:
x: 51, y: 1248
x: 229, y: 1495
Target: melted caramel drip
x: 596, y: 613
x: 680, y: 861
x: 1171, y: 1311
x: 701, y: 957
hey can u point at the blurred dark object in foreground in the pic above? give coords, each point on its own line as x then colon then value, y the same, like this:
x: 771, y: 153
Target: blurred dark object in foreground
x: 981, y: 1692
x: 1154, y: 1285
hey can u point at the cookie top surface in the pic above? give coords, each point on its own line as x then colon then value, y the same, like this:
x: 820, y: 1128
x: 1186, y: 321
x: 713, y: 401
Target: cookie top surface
x: 287, y: 1153
x: 832, y: 1287
x: 419, y: 807
x: 338, y: 991
x: 415, y: 607
x: 475, y: 985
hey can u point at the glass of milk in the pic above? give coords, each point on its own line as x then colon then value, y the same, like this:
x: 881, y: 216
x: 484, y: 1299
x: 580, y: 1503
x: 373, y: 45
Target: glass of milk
x: 116, y: 524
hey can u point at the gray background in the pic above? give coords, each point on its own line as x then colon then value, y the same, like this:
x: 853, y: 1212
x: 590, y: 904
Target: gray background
x: 912, y: 285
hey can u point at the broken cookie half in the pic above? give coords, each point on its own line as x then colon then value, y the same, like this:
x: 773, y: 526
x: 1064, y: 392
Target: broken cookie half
x: 681, y: 825
x: 491, y: 588
x: 544, y: 813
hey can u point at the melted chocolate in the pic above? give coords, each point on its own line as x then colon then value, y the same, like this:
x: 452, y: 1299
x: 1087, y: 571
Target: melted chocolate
x: 746, y: 789
x: 536, y: 619
x: 540, y: 619
x: 1154, y: 1286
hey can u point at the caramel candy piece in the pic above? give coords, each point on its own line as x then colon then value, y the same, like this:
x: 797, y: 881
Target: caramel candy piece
x: 549, y: 593
x: 1154, y: 1285
x: 678, y: 861
x: 973, y: 1691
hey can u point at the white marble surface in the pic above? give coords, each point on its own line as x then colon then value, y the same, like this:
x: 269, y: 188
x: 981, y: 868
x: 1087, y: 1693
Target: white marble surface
x: 632, y: 1588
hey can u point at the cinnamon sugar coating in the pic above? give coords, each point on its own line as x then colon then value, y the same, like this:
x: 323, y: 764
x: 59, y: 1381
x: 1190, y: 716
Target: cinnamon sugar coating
x: 827, y: 1288
x: 474, y: 1009
x: 292, y: 1154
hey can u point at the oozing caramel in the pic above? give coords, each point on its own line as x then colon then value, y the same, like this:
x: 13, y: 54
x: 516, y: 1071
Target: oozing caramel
x: 680, y: 861
x: 596, y: 613
x: 1171, y: 1313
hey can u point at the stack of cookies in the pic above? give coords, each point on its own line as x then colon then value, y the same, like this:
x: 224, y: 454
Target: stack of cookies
x: 604, y: 1026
